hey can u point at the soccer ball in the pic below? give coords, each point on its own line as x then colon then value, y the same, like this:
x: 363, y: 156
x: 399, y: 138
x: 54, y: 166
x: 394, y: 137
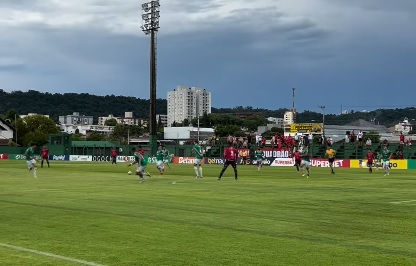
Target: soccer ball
x: 129, y: 172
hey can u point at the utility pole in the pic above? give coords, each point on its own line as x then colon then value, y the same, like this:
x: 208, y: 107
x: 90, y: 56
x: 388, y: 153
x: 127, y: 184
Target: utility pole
x: 293, y: 105
x: 323, y: 121
x: 198, y: 127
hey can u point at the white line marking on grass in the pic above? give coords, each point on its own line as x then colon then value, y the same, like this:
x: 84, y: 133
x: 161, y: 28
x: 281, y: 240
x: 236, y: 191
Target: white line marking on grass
x: 181, y: 181
x: 403, y: 201
x: 40, y: 190
x: 83, y: 262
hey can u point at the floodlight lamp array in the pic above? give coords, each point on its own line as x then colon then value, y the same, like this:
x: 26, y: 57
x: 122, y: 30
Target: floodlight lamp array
x: 150, y: 16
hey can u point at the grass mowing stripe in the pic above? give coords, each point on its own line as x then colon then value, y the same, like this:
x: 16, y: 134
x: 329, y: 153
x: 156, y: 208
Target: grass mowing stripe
x: 47, y: 254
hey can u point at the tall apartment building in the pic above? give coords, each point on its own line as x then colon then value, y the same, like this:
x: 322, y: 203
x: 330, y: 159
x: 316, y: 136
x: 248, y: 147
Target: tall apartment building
x: 288, y: 118
x: 187, y: 103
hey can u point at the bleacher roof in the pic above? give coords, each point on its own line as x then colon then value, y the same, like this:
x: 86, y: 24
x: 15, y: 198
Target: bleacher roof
x: 359, y: 124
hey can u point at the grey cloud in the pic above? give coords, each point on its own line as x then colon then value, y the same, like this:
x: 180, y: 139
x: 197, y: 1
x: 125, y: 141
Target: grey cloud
x: 194, y: 6
x: 307, y: 35
x: 385, y: 5
x: 12, y: 67
x: 271, y: 26
x: 21, y: 3
x: 238, y: 55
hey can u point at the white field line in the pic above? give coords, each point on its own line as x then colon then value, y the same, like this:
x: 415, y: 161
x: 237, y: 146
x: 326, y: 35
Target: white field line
x: 41, y: 190
x: 403, y: 201
x: 182, y: 181
x: 83, y: 262
x: 208, y: 181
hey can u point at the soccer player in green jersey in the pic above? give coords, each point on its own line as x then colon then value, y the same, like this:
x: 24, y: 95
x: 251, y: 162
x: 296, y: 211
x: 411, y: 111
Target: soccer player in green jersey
x: 306, y: 161
x: 386, y: 155
x: 199, y: 154
x: 141, y: 162
x: 166, y: 156
x: 378, y: 161
x: 30, y: 159
x: 259, y: 155
x: 159, y: 160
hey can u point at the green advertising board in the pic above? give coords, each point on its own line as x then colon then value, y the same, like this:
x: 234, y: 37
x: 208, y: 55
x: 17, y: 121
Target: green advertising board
x: 411, y: 164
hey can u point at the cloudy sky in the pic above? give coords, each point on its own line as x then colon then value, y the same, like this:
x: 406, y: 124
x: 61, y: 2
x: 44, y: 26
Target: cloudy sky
x: 357, y: 53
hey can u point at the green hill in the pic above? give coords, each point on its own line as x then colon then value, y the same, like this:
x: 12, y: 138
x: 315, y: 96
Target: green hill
x: 55, y: 104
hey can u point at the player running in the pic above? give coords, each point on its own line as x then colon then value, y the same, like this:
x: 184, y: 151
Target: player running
x: 306, y: 161
x: 259, y: 155
x: 386, y: 155
x: 159, y: 160
x: 297, y: 156
x: 30, y: 159
x: 141, y: 162
x: 370, y: 160
x: 378, y: 161
x: 166, y: 156
x: 199, y: 154
x: 330, y: 153
x: 230, y: 157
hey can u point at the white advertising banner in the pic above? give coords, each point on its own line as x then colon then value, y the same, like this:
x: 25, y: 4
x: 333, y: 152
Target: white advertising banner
x: 125, y: 159
x: 283, y: 162
x: 80, y: 158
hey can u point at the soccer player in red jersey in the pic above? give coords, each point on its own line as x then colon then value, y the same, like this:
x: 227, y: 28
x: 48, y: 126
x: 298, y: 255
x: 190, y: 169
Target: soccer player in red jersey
x: 141, y: 150
x: 230, y: 156
x: 370, y: 160
x: 298, y: 158
x: 114, y: 155
x: 44, y: 153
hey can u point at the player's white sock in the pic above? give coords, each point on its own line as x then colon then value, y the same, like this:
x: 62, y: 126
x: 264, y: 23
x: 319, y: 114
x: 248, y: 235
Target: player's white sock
x: 200, y: 171
x: 35, y: 171
x: 196, y: 170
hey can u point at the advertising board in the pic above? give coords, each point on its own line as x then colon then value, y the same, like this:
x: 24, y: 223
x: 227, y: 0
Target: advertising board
x: 394, y: 164
x: 184, y: 160
x: 59, y: 157
x: 80, y: 158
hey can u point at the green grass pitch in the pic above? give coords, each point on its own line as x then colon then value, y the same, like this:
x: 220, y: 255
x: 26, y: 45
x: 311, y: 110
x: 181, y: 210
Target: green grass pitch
x: 96, y: 214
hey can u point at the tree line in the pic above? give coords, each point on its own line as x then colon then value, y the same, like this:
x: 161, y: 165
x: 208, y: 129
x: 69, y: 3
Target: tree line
x: 55, y: 105
x: 225, y: 120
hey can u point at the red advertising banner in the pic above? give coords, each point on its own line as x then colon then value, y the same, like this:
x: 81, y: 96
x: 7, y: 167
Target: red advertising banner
x: 4, y: 156
x: 185, y: 160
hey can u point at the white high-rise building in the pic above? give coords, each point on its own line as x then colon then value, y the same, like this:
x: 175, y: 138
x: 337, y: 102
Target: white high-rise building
x: 288, y: 118
x: 187, y: 103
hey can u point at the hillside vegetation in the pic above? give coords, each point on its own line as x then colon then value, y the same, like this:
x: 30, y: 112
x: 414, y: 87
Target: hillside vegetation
x: 55, y: 104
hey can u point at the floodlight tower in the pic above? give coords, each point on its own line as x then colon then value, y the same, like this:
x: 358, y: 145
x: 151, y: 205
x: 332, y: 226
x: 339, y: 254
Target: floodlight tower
x: 150, y: 25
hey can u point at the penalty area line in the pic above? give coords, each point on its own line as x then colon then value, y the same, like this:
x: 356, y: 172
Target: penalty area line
x: 47, y: 254
x: 403, y: 201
